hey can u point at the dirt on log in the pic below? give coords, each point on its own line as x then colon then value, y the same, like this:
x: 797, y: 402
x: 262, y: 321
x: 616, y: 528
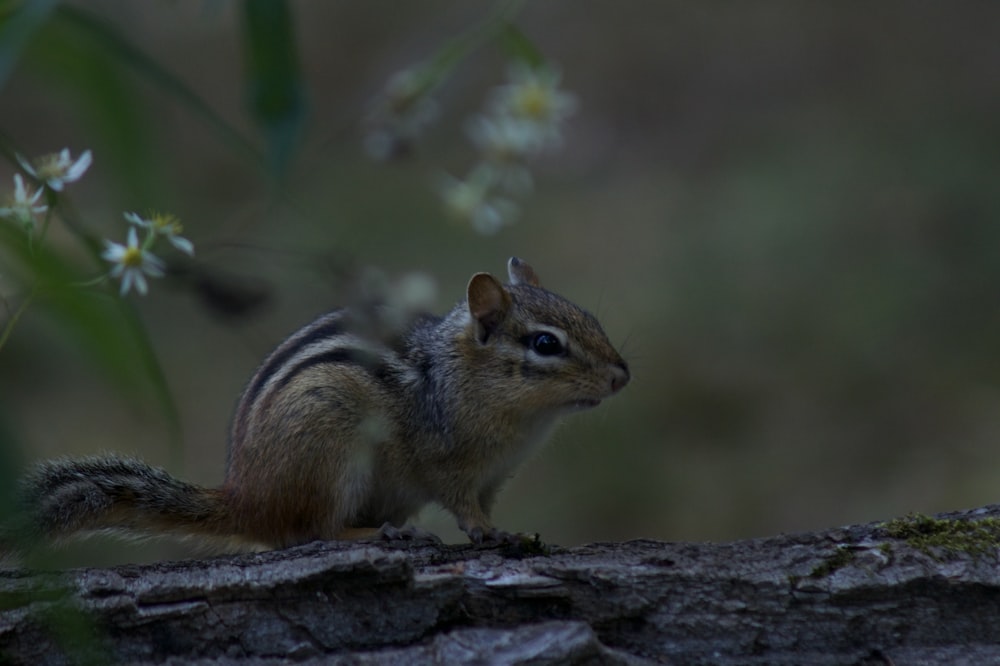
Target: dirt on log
x: 914, y: 590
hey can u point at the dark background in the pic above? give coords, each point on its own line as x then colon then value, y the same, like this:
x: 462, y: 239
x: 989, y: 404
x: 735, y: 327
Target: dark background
x: 787, y: 214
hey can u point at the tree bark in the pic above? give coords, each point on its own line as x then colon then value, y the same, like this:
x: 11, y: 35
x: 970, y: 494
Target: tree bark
x: 912, y: 591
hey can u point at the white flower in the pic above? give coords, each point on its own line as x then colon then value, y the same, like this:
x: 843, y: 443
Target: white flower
x: 23, y: 206
x: 533, y: 96
x: 505, y: 139
x: 402, y: 299
x: 415, y: 292
x: 506, y: 143
x: 472, y: 201
x: 166, y: 225
x: 56, y: 170
x: 131, y: 262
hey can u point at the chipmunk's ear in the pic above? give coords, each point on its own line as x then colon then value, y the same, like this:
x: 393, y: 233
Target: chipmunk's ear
x: 488, y: 304
x: 521, y: 273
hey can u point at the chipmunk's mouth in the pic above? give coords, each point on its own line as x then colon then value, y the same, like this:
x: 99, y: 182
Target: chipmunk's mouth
x: 584, y: 404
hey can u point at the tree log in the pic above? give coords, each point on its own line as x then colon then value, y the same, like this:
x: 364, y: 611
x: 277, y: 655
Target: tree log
x: 911, y: 591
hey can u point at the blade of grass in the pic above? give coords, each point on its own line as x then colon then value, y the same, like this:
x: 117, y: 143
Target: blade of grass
x: 123, y: 49
x: 274, y: 84
x: 522, y: 48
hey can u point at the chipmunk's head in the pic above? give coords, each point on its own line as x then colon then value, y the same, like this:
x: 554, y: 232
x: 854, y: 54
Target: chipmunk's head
x: 556, y: 353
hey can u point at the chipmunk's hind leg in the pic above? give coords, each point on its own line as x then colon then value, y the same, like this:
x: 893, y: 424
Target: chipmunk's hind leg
x: 295, y: 486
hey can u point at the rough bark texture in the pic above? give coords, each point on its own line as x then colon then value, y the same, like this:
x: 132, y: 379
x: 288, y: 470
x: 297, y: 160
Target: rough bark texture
x: 914, y: 591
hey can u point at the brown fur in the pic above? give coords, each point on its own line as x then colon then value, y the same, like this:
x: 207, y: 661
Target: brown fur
x: 340, y: 431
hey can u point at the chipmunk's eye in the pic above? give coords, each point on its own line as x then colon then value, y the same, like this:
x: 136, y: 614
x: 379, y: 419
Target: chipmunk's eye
x: 546, y: 344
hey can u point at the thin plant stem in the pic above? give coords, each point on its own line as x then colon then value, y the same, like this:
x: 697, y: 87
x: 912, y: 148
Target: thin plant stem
x: 15, y: 317
x: 52, y: 200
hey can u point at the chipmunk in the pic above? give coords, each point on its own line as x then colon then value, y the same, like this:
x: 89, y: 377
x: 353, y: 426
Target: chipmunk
x: 341, y: 431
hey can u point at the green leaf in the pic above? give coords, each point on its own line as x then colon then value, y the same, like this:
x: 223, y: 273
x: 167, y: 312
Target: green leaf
x: 87, y: 316
x: 18, y: 24
x: 75, y: 61
x: 104, y: 327
x: 115, y: 43
x: 274, y: 87
x: 517, y: 44
x: 497, y: 25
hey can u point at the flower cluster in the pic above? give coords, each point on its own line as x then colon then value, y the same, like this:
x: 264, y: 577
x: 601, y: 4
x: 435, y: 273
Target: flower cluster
x: 130, y: 262
x: 52, y: 171
x: 524, y: 117
x: 391, y: 304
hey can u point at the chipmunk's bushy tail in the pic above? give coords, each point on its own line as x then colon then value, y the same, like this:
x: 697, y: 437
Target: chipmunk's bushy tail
x: 62, y: 499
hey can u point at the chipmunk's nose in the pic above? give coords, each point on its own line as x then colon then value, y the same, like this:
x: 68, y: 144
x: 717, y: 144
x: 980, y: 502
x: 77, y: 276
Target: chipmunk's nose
x: 619, y: 376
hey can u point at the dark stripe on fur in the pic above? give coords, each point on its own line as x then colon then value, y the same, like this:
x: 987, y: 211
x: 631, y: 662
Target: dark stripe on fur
x: 62, y: 497
x: 365, y: 359
x: 330, y: 326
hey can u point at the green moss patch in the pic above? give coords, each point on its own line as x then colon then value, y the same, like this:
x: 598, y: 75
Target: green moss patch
x: 840, y: 558
x: 944, y: 538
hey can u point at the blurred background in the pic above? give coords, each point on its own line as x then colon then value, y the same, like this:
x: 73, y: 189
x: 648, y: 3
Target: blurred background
x: 787, y: 215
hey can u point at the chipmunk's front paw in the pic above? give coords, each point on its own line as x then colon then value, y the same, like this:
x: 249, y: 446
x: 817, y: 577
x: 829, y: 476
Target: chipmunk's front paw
x: 389, y: 532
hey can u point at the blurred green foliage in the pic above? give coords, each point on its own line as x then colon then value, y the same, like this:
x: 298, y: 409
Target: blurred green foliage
x: 275, y: 89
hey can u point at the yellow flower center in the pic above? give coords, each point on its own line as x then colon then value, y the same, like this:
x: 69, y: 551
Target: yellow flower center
x: 50, y: 166
x: 167, y: 224
x: 533, y: 101
x: 132, y: 258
